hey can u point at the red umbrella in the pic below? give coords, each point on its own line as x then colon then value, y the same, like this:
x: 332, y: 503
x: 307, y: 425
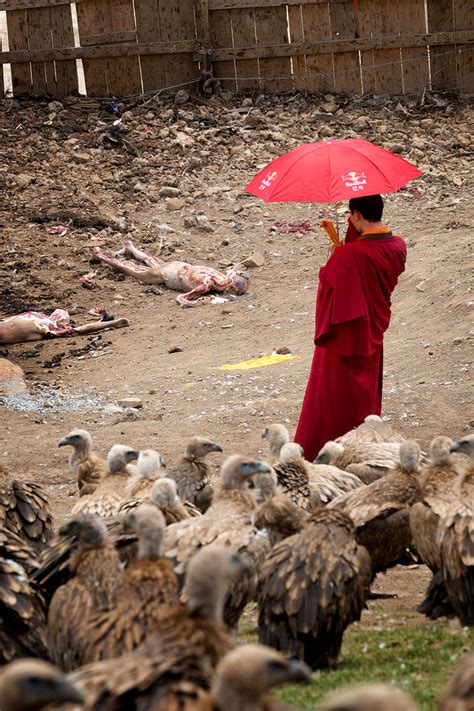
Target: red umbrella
x: 330, y: 171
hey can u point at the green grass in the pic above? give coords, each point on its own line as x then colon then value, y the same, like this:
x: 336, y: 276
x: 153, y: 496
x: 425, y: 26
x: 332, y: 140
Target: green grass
x: 416, y: 658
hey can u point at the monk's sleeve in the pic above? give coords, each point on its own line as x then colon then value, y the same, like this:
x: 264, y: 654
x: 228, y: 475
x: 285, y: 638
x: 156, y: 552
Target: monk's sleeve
x: 342, y: 317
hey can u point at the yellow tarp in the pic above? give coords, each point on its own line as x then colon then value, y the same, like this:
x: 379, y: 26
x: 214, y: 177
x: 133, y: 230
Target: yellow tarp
x: 273, y: 359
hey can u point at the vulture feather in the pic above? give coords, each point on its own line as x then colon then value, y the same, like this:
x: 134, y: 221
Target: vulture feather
x: 277, y: 436
x: 280, y: 516
x: 24, y: 510
x: 108, y: 496
x: 436, y: 480
x: 193, y: 474
x: 164, y: 495
x: 87, y: 467
x: 185, y: 649
x: 373, y: 429
x: 228, y: 521
x: 368, y: 697
x: 95, y: 565
x: 380, y: 511
x: 149, y: 467
x: 314, y: 584
x: 367, y: 460
x: 31, y: 685
x: 456, y: 539
x: 293, y: 478
x: 459, y: 692
x: 149, y: 591
x: 22, y: 609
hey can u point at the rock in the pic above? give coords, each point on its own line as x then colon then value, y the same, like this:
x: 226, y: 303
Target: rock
x: 361, y: 124
x: 326, y: 131
x: 175, y: 203
x: 247, y: 102
x: 421, y: 286
x: 203, y: 224
x: 131, y: 402
x: 190, y: 222
x: 181, y: 97
x: 12, y: 378
x: 139, y: 187
x: 80, y: 156
x: 329, y: 107
x: 283, y: 351
x: 55, y: 107
x: 255, y: 260
x: 23, y: 180
x: 175, y: 349
x: 169, y: 191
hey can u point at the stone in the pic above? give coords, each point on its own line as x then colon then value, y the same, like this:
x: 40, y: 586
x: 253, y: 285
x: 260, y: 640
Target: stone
x: 23, y: 180
x: 55, y: 107
x: 175, y: 349
x: 326, y: 131
x: 421, y: 286
x: 12, y: 378
x: 190, y: 221
x: 134, y: 402
x: 169, y: 191
x: 175, y: 203
x: 247, y: 103
x: 139, y: 187
x: 329, y: 107
x: 255, y: 260
x: 181, y: 97
x: 80, y: 156
x: 361, y: 124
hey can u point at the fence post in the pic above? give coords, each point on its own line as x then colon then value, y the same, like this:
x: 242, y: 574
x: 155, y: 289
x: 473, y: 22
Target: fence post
x: 203, y: 35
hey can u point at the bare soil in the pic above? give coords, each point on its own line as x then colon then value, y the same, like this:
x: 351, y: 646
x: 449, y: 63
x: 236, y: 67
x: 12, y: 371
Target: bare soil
x: 75, y: 160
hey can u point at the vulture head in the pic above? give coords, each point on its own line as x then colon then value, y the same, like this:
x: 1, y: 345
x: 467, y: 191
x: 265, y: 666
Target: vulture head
x: 291, y: 452
x: 329, y: 453
x: 149, y: 464
x: 149, y: 524
x: 410, y: 457
x: 208, y: 576
x: 199, y: 447
x: 250, y: 671
x: 276, y: 435
x: 90, y: 529
x: 236, y: 470
x: 369, y: 697
x: 264, y: 486
x: 164, y: 492
x: 80, y: 440
x: 440, y: 451
x: 119, y: 456
x: 464, y: 445
x: 31, y: 684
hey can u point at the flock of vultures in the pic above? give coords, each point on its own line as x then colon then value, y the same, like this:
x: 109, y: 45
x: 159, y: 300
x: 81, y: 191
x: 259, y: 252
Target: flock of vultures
x: 134, y: 603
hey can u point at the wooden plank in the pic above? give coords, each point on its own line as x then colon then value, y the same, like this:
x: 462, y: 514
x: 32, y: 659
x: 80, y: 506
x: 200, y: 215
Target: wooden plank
x: 320, y: 67
x: 202, y: 24
x: 344, y: 21
x: 244, y: 35
x: 464, y: 20
x: 177, y: 24
x: 415, y: 61
x: 238, y: 4
x: 387, y: 67
x: 62, y: 34
x: 90, y: 20
x: 93, y: 40
x: 295, y: 25
x: 17, y: 25
x: 147, y: 13
x: 124, y: 76
x: 443, y: 61
x: 271, y: 27
x: 220, y: 31
x: 440, y: 39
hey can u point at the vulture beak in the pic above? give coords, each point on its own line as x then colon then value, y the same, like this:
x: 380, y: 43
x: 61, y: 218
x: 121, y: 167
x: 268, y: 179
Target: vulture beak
x: 132, y: 456
x: 216, y: 447
x: 263, y: 467
x: 68, y: 692
x: 298, y: 672
x: 64, y: 441
x: 456, y: 447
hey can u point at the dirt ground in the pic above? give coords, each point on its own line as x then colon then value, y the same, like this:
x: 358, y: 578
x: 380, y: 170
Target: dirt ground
x: 73, y: 159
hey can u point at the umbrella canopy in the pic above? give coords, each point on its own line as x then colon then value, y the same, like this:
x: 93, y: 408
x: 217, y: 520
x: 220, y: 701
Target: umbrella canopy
x: 330, y: 171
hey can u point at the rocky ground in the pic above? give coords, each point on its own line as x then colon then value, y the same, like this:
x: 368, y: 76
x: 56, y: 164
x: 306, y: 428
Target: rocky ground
x: 170, y: 175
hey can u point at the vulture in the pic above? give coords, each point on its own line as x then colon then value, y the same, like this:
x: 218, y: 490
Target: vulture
x: 193, y: 475
x: 86, y: 466
x: 437, y: 482
x: 373, y: 429
x: 277, y: 436
x: 380, y: 511
x: 368, y: 697
x: 164, y: 495
x: 24, y: 510
x: 185, y: 648
x: 280, y: 516
x: 314, y: 584
x: 367, y: 460
x: 108, y: 495
x: 22, y: 610
x: 263, y: 486
x: 149, y: 591
x: 456, y: 539
x: 32, y: 684
x: 293, y: 479
x: 228, y: 521
x: 96, y: 583
x: 149, y: 467
x: 459, y: 692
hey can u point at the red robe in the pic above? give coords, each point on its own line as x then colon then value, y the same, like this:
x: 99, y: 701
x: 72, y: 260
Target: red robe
x: 352, y: 315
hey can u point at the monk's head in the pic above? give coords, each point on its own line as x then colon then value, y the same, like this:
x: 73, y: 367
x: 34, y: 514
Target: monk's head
x: 366, y: 212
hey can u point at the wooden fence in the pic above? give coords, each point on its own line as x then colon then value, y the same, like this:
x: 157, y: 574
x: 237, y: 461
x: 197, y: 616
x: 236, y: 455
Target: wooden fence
x: 135, y: 46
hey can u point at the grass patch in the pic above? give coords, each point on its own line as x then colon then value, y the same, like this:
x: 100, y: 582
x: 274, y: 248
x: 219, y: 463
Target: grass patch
x: 417, y: 659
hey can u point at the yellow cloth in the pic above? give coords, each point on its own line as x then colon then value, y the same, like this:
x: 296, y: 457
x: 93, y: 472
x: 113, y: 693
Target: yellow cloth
x: 265, y: 360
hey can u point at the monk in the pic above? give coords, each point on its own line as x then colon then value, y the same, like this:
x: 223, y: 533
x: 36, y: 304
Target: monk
x: 352, y: 315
